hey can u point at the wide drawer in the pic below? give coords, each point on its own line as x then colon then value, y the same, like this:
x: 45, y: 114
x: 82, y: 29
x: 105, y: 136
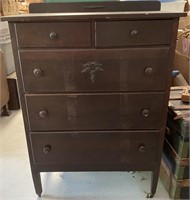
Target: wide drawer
x: 134, y: 69
x: 65, y: 34
x: 134, y: 147
x: 125, y: 33
x: 95, y: 111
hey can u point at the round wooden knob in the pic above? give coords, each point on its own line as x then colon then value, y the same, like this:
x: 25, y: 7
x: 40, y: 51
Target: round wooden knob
x: 145, y: 113
x: 134, y: 33
x: 53, y: 35
x: 142, y: 149
x: 148, y: 71
x: 43, y: 114
x: 47, y: 149
x: 37, y: 72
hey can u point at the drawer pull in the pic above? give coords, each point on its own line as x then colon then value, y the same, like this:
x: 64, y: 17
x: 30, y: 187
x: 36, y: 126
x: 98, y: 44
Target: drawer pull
x: 148, y: 71
x: 47, y: 149
x: 37, y: 72
x: 92, y: 68
x: 142, y: 149
x: 134, y: 33
x: 53, y: 35
x: 145, y: 113
x: 43, y: 114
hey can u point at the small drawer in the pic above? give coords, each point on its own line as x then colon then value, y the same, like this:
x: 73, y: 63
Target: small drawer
x: 92, y: 111
x: 126, y: 33
x: 92, y: 147
x: 95, y: 70
x: 65, y: 34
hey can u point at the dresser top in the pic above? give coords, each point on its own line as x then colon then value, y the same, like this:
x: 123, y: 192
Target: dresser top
x: 93, y: 16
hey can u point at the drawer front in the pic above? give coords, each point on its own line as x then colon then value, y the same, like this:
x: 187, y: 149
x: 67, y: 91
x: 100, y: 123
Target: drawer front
x: 95, y: 111
x: 65, y: 34
x: 95, y: 70
x: 95, y: 147
x: 125, y: 33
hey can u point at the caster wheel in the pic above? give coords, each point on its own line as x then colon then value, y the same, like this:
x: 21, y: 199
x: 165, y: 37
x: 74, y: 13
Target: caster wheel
x: 149, y: 195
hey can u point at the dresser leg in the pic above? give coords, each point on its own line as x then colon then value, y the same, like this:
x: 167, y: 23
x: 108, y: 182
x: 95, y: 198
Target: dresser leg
x: 154, y: 182
x: 5, y: 111
x: 37, y: 182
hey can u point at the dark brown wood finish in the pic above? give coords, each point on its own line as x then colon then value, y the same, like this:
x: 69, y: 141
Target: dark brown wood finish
x: 94, y: 6
x: 76, y: 34
x: 95, y: 147
x: 106, y: 111
x: 127, y: 33
x: 94, y: 99
x: 95, y: 70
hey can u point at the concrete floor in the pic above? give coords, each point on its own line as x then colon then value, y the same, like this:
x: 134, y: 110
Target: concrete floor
x: 16, y: 182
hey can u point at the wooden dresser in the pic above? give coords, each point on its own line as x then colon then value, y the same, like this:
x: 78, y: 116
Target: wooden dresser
x: 94, y: 89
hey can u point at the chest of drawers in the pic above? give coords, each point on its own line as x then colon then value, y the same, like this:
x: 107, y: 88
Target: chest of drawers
x: 94, y: 89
